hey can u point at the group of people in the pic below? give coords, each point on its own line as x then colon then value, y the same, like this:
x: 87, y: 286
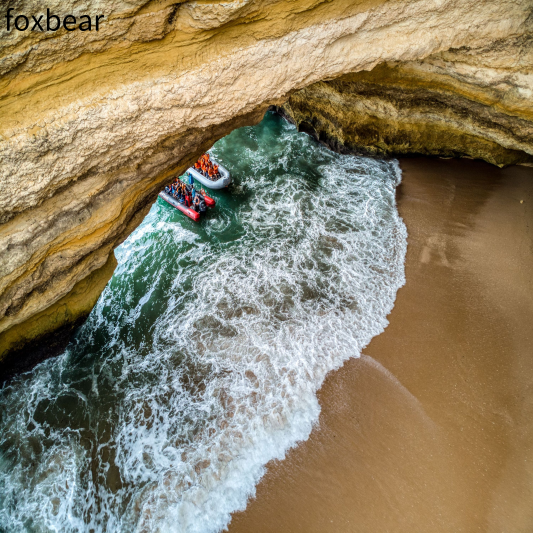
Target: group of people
x: 207, y: 168
x: 186, y: 195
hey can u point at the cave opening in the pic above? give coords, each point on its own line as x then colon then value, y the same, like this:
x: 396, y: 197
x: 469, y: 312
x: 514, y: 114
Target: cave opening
x: 197, y: 326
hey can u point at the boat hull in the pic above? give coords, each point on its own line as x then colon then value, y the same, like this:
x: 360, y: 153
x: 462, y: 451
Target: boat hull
x: 221, y: 183
x: 191, y: 213
x: 209, y: 202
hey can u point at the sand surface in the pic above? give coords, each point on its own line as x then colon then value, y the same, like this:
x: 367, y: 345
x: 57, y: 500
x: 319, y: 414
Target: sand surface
x: 432, y: 429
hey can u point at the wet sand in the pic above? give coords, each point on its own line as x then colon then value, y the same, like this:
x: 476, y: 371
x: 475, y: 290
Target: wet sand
x: 432, y: 429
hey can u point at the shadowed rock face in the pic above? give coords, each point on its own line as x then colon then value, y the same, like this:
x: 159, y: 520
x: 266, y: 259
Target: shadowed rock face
x: 93, y: 123
x: 459, y: 103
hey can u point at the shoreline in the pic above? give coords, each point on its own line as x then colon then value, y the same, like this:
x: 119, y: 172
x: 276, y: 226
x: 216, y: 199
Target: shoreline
x: 431, y: 429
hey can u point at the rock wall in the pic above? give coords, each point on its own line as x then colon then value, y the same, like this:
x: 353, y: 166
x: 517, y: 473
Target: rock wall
x: 459, y: 103
x: 93, y: 123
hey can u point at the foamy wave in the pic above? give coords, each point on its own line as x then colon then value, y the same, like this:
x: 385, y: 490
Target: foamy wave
x: 202, y: 358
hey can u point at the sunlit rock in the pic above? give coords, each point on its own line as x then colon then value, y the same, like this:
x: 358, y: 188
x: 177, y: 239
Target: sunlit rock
x: 93, y: 123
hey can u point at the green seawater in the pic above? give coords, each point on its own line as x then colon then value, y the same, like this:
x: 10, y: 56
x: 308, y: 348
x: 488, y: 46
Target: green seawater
x: 202, y: 358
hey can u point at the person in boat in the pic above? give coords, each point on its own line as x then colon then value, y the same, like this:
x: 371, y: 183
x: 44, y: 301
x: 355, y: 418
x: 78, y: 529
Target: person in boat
x: 191, y: 179
x: 179, y: 194
x: 201, y: 204
x: 196, y: 204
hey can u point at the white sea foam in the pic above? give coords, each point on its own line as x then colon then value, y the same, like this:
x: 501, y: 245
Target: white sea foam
x: 202, y: 358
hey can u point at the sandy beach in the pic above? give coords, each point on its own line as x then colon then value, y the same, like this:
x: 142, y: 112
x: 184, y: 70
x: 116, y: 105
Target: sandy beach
x: 432, y: 429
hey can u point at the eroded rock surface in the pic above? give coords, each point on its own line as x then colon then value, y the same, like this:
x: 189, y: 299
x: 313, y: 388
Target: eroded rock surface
x: 93, y: 123
x: 460, y: 103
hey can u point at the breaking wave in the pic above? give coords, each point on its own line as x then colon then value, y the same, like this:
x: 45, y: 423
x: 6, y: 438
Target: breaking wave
x: 202, y: 359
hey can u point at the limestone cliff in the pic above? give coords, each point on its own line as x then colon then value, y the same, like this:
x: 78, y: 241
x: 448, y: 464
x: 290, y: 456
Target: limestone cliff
x: 92, y: 124
x: 459, y: 103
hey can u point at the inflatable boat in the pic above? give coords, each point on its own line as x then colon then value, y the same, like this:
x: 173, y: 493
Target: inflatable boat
x: 191, y: 213
x: 220, y: 183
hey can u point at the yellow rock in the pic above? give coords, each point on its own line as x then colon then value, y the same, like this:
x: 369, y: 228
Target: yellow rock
x: 93, y: 123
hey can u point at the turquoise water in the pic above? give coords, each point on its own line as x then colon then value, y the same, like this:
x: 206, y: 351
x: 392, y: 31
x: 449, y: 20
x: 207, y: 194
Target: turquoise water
x: 202, y: 357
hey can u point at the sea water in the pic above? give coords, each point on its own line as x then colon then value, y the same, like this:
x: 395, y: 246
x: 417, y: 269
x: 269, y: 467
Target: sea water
x: 203, y: 356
